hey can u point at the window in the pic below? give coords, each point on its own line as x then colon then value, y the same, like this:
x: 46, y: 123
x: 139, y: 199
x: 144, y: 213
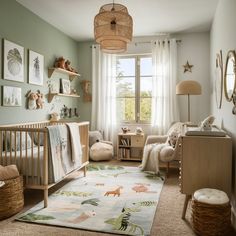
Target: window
x: 134, y: 88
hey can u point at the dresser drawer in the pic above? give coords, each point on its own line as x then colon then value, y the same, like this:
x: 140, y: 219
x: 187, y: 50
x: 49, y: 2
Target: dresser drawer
x: 137, y: 141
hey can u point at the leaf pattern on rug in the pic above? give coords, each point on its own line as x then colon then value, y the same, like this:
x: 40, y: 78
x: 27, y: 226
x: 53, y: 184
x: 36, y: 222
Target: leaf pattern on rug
x: 97, y: 167
x: 33, y: 217
x: 72, y: 193
x: 145, y: 203
x: 91, y: 201
x: 123, y: 223
x: 152, y: 175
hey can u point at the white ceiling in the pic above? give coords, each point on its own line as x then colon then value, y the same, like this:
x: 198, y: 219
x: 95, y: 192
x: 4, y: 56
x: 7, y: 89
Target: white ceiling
x: 150, y: 17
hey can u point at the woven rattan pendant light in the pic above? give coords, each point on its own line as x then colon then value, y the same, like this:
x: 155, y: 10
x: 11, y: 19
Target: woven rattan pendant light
x: 113, y: 28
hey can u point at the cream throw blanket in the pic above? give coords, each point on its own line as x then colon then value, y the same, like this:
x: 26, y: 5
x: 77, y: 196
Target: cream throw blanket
x: 151, y: 155
x: 76, y: 149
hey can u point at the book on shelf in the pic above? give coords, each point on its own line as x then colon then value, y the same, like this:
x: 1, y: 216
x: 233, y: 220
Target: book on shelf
x: 125, y: 142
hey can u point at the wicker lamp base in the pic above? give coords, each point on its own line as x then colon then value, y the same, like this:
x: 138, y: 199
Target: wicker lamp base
x: 210, y: 219
x: 11, y: 197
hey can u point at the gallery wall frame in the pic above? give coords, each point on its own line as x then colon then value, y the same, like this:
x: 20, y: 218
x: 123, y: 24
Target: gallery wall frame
x: 11, y: 96
x: 36, y: 68
x: 13, y: 61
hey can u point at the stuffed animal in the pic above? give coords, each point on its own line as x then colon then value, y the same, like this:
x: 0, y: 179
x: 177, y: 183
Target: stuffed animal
x: 68, y: 66
x: 55, y: 116
x: 125, y: 129
x: 172, y: 139
x: 40, y: 100
x: 60, y: 63
x: 32, y: 98
x: 207, y: 123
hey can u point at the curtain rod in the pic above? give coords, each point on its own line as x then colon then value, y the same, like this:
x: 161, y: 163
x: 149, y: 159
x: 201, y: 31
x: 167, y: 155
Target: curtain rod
x: 177, y: 41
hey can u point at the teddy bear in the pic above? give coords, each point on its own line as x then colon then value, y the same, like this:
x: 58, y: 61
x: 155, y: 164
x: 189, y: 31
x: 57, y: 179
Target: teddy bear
x: 172, y: 139
x: 40, y: 100
x: 60, y: 63
x: 32, y: 98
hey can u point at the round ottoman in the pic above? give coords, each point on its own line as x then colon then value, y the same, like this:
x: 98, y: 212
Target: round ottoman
x: 101, y: 151
x: 211, y: 212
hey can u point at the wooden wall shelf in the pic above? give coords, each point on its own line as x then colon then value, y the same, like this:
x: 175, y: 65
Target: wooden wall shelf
x: 72, y: 75
x: 52, y: 95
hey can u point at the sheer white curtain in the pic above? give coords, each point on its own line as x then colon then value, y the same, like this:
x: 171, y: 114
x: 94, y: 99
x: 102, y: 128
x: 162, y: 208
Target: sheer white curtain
x: 103, y: 115
x: 164, y: 105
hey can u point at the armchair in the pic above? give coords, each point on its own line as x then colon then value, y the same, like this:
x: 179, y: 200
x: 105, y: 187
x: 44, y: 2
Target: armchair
x: 167, y: 147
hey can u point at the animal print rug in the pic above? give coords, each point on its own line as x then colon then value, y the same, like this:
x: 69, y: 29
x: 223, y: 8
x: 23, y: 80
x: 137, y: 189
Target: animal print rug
x: 112, y: 199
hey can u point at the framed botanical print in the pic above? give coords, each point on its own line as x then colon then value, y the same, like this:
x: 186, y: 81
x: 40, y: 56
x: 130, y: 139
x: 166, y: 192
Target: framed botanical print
x: 36, y: 68
x: 11, y: 96
x: 13, y: 60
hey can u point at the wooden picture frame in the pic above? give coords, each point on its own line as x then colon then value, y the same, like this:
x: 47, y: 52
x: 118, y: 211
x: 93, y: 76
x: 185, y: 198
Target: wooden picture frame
x: 36, y: 68
x: 219, y: 79
x: 12, y: 96
x: 13, y: 61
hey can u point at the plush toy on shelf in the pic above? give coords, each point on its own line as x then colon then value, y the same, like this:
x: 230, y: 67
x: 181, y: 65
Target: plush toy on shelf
x: 40, y: 100
x: 32, y: 98
x: 60, y: 63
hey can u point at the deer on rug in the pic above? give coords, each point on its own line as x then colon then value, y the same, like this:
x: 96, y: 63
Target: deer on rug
x: 114, y: 192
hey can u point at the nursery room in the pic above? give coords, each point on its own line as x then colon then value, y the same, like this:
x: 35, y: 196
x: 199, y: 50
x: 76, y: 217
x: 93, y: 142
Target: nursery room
x: 117, y: 117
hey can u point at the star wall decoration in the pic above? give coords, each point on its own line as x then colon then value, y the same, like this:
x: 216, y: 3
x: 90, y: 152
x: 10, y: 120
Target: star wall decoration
x: 187, y: 67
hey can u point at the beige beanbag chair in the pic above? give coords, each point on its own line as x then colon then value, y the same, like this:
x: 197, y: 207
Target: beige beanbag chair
x: 101, y: 151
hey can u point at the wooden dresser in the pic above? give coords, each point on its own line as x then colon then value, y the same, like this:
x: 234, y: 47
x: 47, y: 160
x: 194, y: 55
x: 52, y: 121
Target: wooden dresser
x: 205, y: 162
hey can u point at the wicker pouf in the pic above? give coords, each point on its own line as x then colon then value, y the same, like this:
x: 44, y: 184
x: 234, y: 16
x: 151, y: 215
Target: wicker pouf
x: 211, y: 212
x: 11, y: 197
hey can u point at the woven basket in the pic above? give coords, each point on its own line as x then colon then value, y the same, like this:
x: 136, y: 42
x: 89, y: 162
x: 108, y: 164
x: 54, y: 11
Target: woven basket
x: 209, y: 219
x: 11, y: 197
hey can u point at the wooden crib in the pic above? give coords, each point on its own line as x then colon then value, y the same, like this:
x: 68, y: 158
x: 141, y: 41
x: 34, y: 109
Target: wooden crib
x: 18, y: 146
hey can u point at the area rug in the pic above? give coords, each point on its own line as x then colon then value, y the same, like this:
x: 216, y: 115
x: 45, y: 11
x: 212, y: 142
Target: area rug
x: 113, y: 199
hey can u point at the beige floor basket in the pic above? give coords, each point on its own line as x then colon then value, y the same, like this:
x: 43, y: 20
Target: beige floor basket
x: 11, y: 197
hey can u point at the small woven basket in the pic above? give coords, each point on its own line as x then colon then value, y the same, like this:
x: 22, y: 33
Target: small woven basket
x: 210, y: 219
x: 11, y: 197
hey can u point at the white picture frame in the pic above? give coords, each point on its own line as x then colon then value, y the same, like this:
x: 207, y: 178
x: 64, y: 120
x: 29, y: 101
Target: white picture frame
x: 36, y: 68
x: 13, y: 61
x: 54, y: 87
x: 12, y: 96
x: 65, y: 86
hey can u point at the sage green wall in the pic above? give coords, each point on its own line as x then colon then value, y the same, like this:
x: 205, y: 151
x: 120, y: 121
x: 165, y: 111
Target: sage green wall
x: 85, y: 65
x: 21, y: 26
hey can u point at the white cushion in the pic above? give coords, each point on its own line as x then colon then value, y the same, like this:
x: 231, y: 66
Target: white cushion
x: 166, y: 153
x: 101, y: 151
x: 211, y: 196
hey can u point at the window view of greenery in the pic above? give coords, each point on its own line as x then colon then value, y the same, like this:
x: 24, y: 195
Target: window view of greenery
x: 134, y: 89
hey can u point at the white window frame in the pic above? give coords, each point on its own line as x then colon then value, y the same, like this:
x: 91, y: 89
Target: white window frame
x: 137, y: 76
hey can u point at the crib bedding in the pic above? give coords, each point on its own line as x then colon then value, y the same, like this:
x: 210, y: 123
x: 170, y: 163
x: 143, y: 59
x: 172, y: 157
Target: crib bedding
x: 31, y: 165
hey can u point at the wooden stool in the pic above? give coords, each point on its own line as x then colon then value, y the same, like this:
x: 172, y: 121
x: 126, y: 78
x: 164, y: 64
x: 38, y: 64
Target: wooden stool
x: 210, y: 212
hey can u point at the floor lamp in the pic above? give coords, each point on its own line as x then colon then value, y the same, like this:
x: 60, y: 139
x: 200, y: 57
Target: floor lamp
x: 188, y: 87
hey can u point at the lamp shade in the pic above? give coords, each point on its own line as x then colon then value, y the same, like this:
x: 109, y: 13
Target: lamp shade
x: 113, y: 28
x: 191, y: 87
